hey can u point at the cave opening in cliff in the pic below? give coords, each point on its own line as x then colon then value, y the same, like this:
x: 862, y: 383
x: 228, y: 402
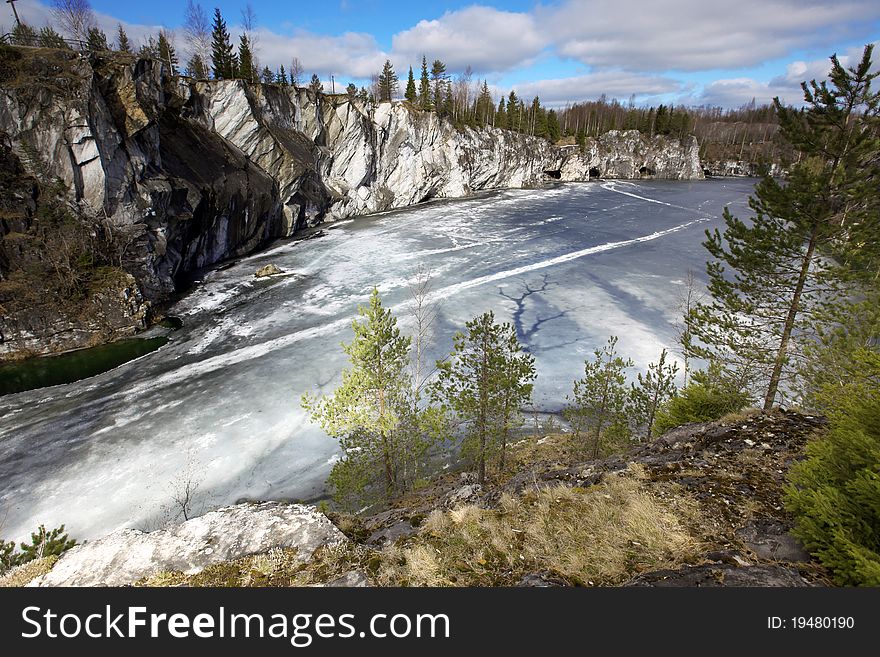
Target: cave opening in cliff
x: 646, y: 171
x: 595, y: 173
x: 556, y: 174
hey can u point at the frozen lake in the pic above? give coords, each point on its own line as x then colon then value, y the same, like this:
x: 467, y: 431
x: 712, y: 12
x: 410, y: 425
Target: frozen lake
x: 570, y: 264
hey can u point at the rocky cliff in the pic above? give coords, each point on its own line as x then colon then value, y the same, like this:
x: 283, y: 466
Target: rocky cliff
x: 185, y: 173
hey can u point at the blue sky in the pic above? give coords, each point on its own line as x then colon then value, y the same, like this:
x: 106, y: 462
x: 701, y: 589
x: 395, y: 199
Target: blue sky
x: 683, y: 51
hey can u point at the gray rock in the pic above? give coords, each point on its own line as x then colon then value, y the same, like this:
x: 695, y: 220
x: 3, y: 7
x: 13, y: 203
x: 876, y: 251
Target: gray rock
x: 466, y: 494
x: 128, y: 555
x: 355, y: 578
x: 769, y: 539
x: 716, y: 575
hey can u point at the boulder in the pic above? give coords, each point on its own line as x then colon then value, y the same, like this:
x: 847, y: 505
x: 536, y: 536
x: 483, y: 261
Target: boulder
x: 129, y: 555
x: 268, y: 270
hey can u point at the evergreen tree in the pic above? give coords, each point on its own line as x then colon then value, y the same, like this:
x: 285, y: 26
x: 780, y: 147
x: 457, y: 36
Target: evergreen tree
x: 553, y: 130
x: 364, y: 412
x: 149, y: 50
x: 49, y: 38
x: 654, y: 390
x: 24, y: 35
x: 223, y: 62
x: 828, y: 204
x: 96, y: 40
x: 438, y: 77
x: 351, y: 90
x: 501, y: 115
x: 485, y: 105
x: 196, y: 68
x: 600, y: 400
x: 45, y: 543
x: 247, y: 70
x: 315, y: 85
x: 484, y: 381
x: 166, y: 52
x: 122, y: 42
x: 388, y: 83
x: 834, y: 493
x: 267, y: 76
x: 411, y: 94
x: 281, y: 78
x: 424, y: 86
x: 513, y: 111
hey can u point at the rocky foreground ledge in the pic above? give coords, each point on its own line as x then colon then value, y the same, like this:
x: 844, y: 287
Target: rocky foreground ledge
x: 699, y: 506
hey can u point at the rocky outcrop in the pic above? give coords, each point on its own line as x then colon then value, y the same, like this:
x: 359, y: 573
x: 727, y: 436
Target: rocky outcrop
x: 229, y: 533
x: 739, y: 169
x: 187, y: 173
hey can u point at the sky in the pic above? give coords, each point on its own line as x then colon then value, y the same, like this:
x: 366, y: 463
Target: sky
x: 692, y: 52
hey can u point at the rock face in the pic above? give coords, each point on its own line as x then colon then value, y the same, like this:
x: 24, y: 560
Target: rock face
x: 739, y: 169
x: 226, y: 534
x: 189, y: 172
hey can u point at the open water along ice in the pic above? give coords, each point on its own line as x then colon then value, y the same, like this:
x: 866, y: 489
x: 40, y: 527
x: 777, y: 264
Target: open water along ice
x: 569, y: 265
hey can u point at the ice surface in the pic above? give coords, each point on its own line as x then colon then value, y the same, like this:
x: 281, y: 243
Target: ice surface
x: 569, y: 265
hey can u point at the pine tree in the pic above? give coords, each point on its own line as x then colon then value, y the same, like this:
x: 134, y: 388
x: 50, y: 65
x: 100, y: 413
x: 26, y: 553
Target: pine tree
x: 388, y: 83
x: 223, y: 61
x: 828, y: 204
x: 411, y: 94
x: 554, y: 132
x: 485, y: 381
x: 654, y: 390
x: 45, y: 543
x: 196, y: 68
x: 281, y: 77
x: 122, y: 42
x: 24, y: 35
x: 96, y: 40
x: 364, y: 412
x: 424, y: 87
x: 438, y: 77
x: 315, y: 85
x: 485, y: 105
x: 513, y: 111
x: 247, y: 71
x: 351, y: 90
x: 267, y: 77
x: 600, y: 400
x: 501, y: 115
x: 49, y: 38
x: 166, y: 52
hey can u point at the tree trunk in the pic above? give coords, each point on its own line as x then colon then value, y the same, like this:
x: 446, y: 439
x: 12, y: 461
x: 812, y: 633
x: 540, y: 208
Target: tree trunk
x: 793, y: 309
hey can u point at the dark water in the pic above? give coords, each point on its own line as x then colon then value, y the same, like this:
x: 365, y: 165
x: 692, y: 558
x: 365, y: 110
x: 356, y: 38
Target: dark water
x: 72, y: 366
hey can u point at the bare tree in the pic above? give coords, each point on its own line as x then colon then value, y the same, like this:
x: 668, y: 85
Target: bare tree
x: 198, y: 34
x: 75, y: 17
x: 296, y: 72
x: 185, y: 489
x: 688, y: 298
x: 424, y: 315
x: 249, y: 27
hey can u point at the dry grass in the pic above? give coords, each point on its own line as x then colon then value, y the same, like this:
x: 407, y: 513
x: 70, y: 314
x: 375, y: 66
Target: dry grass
x: 596, y: 536
x: 26, y: 573
x: 739, y: 416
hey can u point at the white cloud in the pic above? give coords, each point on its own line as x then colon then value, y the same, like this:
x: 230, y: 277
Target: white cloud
x: 481, y: 37
x: 614, y: 84
x: 734, y: 92
x: 693, y: 35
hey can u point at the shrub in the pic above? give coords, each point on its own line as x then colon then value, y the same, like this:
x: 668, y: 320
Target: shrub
x: 44, y: 543
x: 712, y: 395
x: 835, y: 494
